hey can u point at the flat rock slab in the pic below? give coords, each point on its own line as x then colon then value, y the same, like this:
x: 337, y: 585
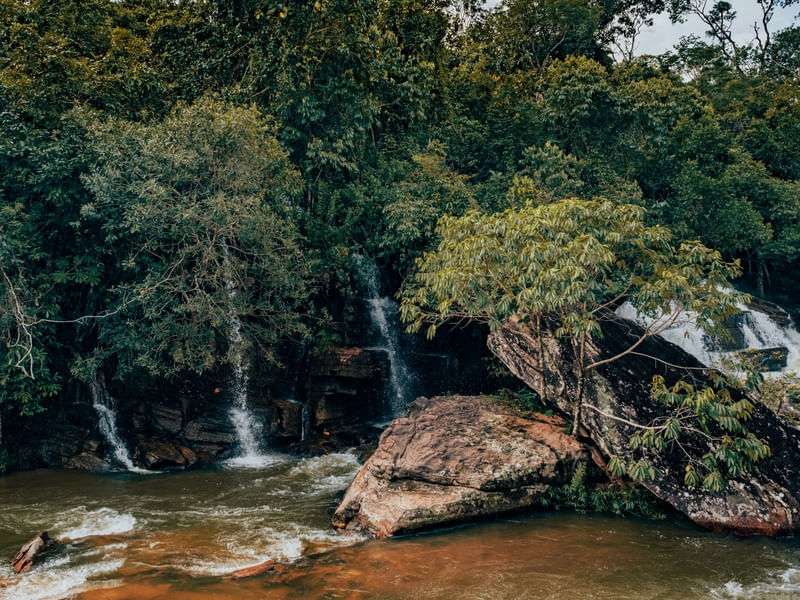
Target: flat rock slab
x: 457, y: 459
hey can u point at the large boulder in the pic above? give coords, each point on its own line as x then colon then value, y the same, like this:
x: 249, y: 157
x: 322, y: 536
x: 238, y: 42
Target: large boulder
x: 455, y: 459
x: 763, y: 501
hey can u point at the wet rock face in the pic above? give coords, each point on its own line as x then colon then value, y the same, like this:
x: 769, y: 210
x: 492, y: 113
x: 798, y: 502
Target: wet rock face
x: 456, y: 459
x: 162, y: 455
x: 346, y: 385
x: 764, y: 501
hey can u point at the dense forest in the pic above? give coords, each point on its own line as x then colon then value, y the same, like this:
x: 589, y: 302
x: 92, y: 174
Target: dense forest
x: 167, y: 163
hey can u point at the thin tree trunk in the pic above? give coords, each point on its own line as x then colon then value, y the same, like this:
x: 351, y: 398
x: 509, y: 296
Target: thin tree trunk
x: 576, y: 418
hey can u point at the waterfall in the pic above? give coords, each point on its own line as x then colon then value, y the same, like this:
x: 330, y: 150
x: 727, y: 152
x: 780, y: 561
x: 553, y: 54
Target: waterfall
x: 756, y: 330
x: 105, y: 407
x: 384, y: 316
x: 248, y: 429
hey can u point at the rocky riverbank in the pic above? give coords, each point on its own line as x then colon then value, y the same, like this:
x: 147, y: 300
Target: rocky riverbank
x: 764, y: 500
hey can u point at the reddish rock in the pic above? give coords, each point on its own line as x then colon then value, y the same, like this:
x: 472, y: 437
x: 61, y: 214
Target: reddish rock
x: 455, y: 459
x: 254, y: 570
x: 156, y: 454
x: 88, y: 461
x: 346, y: 385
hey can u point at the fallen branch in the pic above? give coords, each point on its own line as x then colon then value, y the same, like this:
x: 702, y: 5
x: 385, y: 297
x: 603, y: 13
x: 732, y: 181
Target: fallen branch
x: 24, y: 559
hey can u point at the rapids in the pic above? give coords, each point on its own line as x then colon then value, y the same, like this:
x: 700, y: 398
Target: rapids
x: 179, y: 536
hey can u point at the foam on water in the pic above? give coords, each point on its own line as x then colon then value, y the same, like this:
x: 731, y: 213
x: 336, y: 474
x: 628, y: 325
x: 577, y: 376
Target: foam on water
x: 250, y: 548
x: 55, y: 579
x: 781, y: 584
x: 329, y: 473
x: 80, y: 523
x: 254, y: 461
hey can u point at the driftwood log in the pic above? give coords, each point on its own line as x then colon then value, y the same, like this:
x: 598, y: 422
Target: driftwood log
x: 23, y: 560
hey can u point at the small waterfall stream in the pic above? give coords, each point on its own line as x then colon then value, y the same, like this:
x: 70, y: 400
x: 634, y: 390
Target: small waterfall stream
x: 755, y: 330
x: 383, y: 314
x: 105, y: 406
x: 248, y: 429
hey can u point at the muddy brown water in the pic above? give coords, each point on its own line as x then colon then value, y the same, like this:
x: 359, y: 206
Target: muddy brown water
x: 179, y: 536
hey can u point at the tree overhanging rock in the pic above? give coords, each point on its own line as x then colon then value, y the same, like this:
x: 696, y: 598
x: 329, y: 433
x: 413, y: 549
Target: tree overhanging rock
x: 762, y: 501
x: 457, y: 459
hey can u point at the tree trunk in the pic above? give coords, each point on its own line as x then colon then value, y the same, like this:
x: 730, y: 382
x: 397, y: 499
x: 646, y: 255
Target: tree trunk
x: 23, y: 560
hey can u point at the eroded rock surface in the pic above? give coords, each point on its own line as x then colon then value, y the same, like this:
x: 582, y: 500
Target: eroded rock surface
x: 456, y: 459
x: 764, y: 501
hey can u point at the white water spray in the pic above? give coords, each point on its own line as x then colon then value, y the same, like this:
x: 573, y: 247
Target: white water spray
x: 383, y: 311
x: 758, y: 329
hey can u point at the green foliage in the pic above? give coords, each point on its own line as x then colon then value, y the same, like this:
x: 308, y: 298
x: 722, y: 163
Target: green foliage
x: 586, y: 497
x: 414, y: 205
x: 566, y: 260
x: 202, y: 202
x: 525, y: 400
x: 714, y: 416
x: 128, y: 196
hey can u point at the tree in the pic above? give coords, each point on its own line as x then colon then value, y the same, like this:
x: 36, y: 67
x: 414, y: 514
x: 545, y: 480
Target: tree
x: 202, y: 203
x: 720, y: 16
x: 564, y: 267
x: 428, y: 190
x: 560, y: 270
x: 527, y: 35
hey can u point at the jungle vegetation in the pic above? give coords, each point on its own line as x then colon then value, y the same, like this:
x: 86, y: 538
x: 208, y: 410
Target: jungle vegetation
x: 158, y: 155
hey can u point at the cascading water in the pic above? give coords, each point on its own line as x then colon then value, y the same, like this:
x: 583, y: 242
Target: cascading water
x: 383, y: 314
x: 248, y: 429
x: 105, y: 406
x: 756, y: 329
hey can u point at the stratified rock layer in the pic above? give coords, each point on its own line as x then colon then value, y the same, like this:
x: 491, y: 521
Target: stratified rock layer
x: 456, y: 459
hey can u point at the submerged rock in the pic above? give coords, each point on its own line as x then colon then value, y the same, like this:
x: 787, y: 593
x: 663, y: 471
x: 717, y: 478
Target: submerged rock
x: 763, y: 501
x: 456, y: 459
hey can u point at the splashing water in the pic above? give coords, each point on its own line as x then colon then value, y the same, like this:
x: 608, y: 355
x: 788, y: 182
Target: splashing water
x: 383, y: 312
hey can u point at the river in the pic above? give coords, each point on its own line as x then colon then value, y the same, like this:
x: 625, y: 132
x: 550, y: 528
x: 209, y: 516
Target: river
x: 178, y: 536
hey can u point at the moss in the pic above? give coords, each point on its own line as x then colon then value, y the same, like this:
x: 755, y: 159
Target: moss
x: 583, y: 497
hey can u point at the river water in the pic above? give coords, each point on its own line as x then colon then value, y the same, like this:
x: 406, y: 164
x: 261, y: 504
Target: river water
x: 179, y: 536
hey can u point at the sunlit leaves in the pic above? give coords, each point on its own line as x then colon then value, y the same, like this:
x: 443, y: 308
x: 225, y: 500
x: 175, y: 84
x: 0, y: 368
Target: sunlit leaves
x: 566, y: 259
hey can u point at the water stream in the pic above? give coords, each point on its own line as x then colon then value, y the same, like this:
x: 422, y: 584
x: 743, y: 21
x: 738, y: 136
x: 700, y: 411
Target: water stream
x: 758, y: 330
x: 179, y: 536
x: 249, y: 430
x: 383, y: 314
x: 105, y: 406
